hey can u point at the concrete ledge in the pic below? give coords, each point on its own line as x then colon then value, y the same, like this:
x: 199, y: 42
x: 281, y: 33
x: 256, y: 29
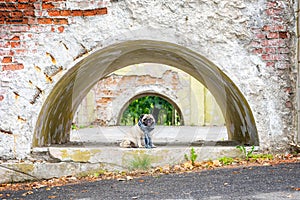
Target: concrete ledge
x: 20, y: 172
x: 83, y: 160
x: 116, y: 156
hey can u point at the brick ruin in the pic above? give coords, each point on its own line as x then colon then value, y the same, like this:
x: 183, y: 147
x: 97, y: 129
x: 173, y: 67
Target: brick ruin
x: 53, y: 52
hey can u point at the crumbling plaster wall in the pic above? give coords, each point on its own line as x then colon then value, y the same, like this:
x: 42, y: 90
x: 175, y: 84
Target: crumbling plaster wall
x: 253, y: 42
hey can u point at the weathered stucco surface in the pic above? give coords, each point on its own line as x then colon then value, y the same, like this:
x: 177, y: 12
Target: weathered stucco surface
x: 233, y: 34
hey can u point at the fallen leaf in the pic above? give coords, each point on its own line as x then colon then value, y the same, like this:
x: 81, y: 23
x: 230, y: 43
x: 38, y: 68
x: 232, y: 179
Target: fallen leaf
x: 216, y: 163
x: 188, y: 165
x: 27, y: 193
x: 51, y: 197
x: 297, y: 189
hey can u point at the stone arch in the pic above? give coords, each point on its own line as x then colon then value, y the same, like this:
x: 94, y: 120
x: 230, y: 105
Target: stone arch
x: 55, y: 119
x: 150, y: 93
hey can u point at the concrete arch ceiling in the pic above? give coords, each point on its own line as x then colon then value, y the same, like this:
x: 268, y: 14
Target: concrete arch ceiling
x: 55, y: 119
x: 149, y: 93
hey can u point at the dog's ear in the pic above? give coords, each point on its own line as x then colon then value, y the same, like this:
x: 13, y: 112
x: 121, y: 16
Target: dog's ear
x: 141, y: 117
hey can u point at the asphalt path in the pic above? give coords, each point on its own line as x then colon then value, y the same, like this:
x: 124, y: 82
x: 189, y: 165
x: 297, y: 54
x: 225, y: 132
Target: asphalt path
x: 261, y: 182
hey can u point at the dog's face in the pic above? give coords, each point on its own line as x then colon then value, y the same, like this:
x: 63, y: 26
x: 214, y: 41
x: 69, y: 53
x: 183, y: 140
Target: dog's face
x: 147, y: 119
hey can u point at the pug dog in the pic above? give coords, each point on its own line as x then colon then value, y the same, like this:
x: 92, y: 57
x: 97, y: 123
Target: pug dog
x: 139, y: 135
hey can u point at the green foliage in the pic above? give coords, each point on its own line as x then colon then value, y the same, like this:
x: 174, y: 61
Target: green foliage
x: 246, y: 153
x: 142, y: 162
x: 74, y: 126
x: 162, y: 110
x: 263, y: 156
x: 226, y: 160
x: 93, y: 173
x: 193, y: 156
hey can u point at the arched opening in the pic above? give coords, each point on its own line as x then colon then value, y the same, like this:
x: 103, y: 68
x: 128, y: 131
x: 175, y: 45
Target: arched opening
x: 55, y: 119
x: 170, y: 112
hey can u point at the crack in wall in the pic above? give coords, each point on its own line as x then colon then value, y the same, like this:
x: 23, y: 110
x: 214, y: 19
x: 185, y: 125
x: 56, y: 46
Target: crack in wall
x: 6, y: 131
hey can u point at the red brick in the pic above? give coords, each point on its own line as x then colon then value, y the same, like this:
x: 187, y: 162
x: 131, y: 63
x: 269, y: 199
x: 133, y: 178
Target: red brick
x: 275, y: 57
x: 17, y: 21
x: 65, y: 12
x: 274, y: 28
x: 15, y: 44
x: 27, y: 6
x: 271, y: 4
x: 102, y: 11
x: 27, y: 1
x: 29, y: 13
x: 89, y: 12
x: 257, y: 51
x: 32, y: 20
x: 283, y: 35
x: 255, y: 44
x: 273, y: 35
x: 61, y: 29
x: 288, y: 104
x: 270, y: 50
x: 13, y: 67
x: 2, y: 5
x: 44, y: 21
x: 270, y: 64
x: 10, y: 6
x: 45, y: 1
x: 272, y: 11
x: 22, y: 51
x: 77, y: 13
x: 54, y: 13
x: 283, y: 50
x: 47, y: 6
x: 60, y: 21
x: 7, y: 60
x: 15, y: 38
x: 4, y: 13
x: 260, y: 36
x: 274, y: 43
x: 16, y: 14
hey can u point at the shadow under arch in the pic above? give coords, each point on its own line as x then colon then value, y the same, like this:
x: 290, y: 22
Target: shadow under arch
x: 147, y: 93
x: 55, y: 119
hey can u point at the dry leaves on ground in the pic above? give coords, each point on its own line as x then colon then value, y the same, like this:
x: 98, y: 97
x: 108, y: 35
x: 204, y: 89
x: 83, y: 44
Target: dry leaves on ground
x: 129, y: 175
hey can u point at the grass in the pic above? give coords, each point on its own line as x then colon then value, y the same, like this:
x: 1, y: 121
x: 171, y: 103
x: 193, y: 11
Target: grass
x: 193, y: 156
x: 141, y: 162
x: 247, y: 153
x: 226, y: 160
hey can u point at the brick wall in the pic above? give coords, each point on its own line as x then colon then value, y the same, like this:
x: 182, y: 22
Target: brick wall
x: 273, y: 42
x: 41, y: 41
x: 22, y: 20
